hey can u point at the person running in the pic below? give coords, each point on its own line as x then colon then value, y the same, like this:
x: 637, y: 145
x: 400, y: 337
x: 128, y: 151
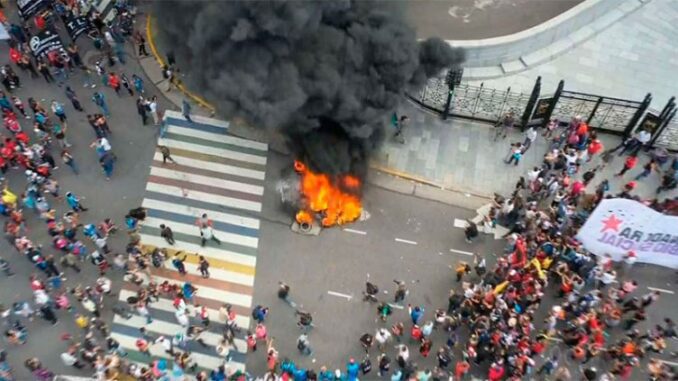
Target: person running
x: 166, y: 154
x: 629, y: 164
x: 206, y: 230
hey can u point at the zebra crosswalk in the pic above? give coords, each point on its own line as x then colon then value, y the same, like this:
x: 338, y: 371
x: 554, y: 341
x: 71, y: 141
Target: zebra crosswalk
x: 222, y: 176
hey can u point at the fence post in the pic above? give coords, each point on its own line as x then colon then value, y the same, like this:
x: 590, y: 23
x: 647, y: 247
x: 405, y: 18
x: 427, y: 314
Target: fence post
x: 552, y: 106
x: 530, y: 103
x: 636, y: 117
x: 670, y: 105
x: 662, y: 126
x: 593, y: 112
x: 453, y: 79
x: 446, y: 110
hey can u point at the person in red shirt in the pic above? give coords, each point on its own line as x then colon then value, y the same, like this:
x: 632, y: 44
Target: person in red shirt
x: 595, y: 147
x: 496, y: 372
x: 461, y: 368
x: 114, y: 82
x: 15, y: 56
x: 630, y: 163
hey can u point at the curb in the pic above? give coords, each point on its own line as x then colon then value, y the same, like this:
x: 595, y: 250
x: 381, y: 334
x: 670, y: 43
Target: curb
x: 423, y: 181
x: 154, y: 51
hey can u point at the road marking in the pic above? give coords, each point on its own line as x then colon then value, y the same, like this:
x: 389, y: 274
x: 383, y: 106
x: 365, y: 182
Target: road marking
x: 355, y: 231
x: 339, y: 294
x: 462, y: 252
x: 462, y: 224
x: 660, y: 290
x: 405, y: 241
x: 398, y: 306
x: 666, y: 362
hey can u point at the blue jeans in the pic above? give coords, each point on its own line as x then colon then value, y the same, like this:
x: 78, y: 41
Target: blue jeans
x: 73, y: 166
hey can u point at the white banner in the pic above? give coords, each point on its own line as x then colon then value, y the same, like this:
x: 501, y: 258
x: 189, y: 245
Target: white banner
x: 619, y: 225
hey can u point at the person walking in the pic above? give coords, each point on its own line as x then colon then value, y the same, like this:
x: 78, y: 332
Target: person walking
x: 126, y: 84
x: 186, y: 110
x: 629, y: 163
x: 167, y: 234
x: 153, y: 109
x: 114, y: 82
x: 138, y: 84
x: 166, y: 154
x: 58, y: 110
x: 461, y: 269
x: 206, y: 230
x: 400, y: 292
x: 471, y: 231
x: 515, y: 154
x: 648, y: 168
x: 48, y: 314
x: 141, y: 44
x: 142, y: 109
x: 304, y: 345
x: 204, y: 266
x: 73, y: 97
x: 530, y: 137
x: 67, y: 158
x: 99, y: 100
x: 74, y: 202
x: 107, y: 161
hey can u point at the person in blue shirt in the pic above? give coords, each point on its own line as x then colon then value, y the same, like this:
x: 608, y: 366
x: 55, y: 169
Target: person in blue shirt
x: 352, y: 370
x: 416, y: 313
x: 325, y: 374
x: 138, y: 83
x: 74, y: 202
x: 99, y: 99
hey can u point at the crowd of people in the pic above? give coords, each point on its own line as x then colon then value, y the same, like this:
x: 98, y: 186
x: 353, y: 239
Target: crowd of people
x: 494, y: 322
x: 35, y: 140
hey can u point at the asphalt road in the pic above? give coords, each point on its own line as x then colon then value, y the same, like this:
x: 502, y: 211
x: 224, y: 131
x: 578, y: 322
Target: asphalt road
x: 477, y: 19
x: 327, y: 273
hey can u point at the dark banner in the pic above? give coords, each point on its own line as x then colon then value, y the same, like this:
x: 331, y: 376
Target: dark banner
x: 28, y: 8
x: 76, y: 26
x: 45, y: 42
x: 542, y: 108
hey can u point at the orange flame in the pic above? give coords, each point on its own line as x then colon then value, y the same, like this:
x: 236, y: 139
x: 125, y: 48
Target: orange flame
x: 324, y: 197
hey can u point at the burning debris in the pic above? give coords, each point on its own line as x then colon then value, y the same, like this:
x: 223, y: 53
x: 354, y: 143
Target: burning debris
x: 290, y: 67
x: 336, y: 199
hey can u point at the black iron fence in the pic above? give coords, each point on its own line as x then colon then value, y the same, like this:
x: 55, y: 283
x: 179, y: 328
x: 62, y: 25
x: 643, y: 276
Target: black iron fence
x: 613, y: 115
x: 473, y: 102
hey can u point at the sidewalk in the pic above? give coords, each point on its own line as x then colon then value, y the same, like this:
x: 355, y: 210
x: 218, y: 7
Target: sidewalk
x: 637, y: 55
x: 461, y: 155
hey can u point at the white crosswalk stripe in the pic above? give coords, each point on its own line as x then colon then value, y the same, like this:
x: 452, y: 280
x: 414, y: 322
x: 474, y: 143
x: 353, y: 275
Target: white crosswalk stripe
x: 222, y: 176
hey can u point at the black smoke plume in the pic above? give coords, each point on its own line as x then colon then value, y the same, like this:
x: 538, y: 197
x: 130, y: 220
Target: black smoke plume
x: 327, y: 74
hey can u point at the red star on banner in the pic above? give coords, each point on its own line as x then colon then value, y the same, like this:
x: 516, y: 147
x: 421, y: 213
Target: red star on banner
x: 611, y: 223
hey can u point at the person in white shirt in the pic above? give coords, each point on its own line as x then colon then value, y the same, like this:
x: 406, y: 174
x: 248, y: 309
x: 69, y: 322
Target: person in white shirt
x: 638, y: 140
x: 530, y: 137
x: 533, y: 174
